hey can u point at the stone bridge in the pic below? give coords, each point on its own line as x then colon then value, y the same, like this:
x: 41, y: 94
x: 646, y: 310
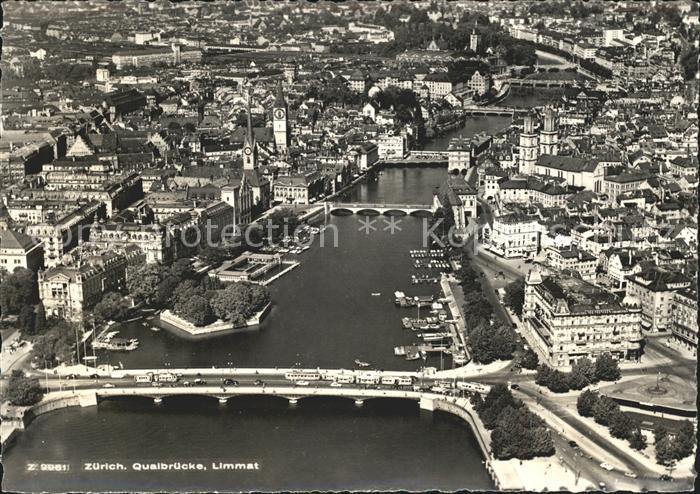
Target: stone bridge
x: 376, y: 209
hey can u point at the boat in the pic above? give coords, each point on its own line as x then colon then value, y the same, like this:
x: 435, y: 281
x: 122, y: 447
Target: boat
x: 155, y: 328
x: 360, y: 363
x: 376, y: 294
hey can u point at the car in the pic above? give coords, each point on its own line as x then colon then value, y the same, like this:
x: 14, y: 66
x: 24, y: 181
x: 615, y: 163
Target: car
x: 601, y: 485
x: 302, y: 383
x: 258, y: 382
x: 199, y: 381
x: 607, y: 466
x: 187, y: 384
x: 335, y: 384
x: 573, y: 444
x: 514, y: 386
x: 93, y: 376
x: 108, y: 385
x: 631, y: 475
x: 666, y: 477
x: 230, y: 382
x: 71, y: 376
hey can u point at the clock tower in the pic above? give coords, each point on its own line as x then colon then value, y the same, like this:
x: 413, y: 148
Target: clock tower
x: 279, y: 122
x: 250, y: 150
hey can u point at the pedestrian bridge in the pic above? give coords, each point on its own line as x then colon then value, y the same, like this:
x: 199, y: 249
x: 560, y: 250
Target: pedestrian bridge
x: 436, y: 158
x: 377, y: 209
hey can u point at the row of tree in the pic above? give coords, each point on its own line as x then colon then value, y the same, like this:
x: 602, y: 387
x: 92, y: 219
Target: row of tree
x: 488, y: 342
x: 669, y: 448
x: 583, y: 373
x: 22, y: 390
x: 515, y: 431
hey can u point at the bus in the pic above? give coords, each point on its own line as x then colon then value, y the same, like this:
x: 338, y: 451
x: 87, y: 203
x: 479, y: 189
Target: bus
x: 144, y: 378
x: 473, y: 387
x: 165, y: 377
x: 397, y: 380
x: 303, y: 376
x: 345, y: 378
x: 368, y: 378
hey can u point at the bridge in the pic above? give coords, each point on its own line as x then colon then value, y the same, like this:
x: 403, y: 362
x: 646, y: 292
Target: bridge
x: 492, y: 110
x: 419, y: 158
x: 543, y: 83
x: 376, y: 209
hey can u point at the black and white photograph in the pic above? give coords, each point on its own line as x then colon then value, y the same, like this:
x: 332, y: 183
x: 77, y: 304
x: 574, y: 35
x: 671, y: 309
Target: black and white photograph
x: 359, y: 246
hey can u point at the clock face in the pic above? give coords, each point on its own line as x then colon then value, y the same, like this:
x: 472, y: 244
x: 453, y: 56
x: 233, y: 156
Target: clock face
x: 248, y: 151
x: 279, y: 113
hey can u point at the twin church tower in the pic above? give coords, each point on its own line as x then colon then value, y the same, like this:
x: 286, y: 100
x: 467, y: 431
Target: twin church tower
x: 533, y: 145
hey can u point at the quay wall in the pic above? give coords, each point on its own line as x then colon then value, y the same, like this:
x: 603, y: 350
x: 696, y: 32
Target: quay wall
x: 463, y: 411
x: 48, y: 404
x: 219, y: 326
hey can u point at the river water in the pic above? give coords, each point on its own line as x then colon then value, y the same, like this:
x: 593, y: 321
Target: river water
x: 324, y: 315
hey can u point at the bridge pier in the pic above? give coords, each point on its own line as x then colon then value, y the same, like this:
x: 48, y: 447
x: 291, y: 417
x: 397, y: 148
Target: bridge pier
x: 427, y: 404
x: 223, y: 401
x: 157, y: 401
x: 293, y: 402
x: 359, y: 403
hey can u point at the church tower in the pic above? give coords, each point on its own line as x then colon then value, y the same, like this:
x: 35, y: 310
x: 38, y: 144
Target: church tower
x: 528, y: 147
x: 280, y: 125
x: 549, y: 137
x: 474, y: 39
x: 250, y: 150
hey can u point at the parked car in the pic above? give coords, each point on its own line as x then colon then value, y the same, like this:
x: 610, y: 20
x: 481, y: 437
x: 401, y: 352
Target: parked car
x: 631, y: 475
x: 302, y: 383
x: 258, y: 382
x: 108, y: 385
x: 230, y: 382
x: 607, y: 466
x: 573, y: 444
x: 335, y: 384
x: 199, y: 381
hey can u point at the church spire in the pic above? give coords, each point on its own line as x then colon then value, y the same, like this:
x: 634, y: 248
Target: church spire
x: 250, y: 140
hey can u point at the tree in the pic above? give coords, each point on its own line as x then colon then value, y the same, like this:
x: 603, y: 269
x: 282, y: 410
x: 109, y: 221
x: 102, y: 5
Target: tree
x: 582, y: 374
x: 515, y: 296
x: 142, y: 283
x: 585, y: 404
x: 604, y: 409
x: 660, y: 432
x: 666, y: 452
x: 558, y: 382
x: 489, y: 344
x: 637, y: 439
x: 606, y: 368
x: 685, y: 440
x: 22, y: 390
x: 543, y: 376
x: 40, y: 319
x: 238, y: 302
x: 529, y: 359
x: 17, y: 290
x: 112, y: 307
x: 195, y: 309
x: 26, y: 319
x: 621, y: 425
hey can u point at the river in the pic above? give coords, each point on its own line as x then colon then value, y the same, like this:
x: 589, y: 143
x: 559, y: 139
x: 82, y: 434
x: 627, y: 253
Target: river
x: 323, y: 315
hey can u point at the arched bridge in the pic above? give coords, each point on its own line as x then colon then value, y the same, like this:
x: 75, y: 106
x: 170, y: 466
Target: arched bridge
x: 373, y: 209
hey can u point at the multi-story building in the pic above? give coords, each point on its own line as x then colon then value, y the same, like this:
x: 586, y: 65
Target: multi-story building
x: 18, y: 250
x: 299, y: 189
x: 61, y: 236
x: 391, y: 146
x: 513, y: 235
x: 148, y: 57
x: 572, y: 259
x: 457, y: 195
x: 68, y: 291
x: 459, y: 155
x: 655, y: 289
x: 684, y: 318
x: 152, y: 240
x: 570, y: 319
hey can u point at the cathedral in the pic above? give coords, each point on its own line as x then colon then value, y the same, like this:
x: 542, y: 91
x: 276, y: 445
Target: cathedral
x: 532, y: 145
